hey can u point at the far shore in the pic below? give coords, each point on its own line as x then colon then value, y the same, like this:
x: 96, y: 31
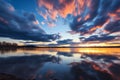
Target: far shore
x: 60, y: 47
x: 69, y: 47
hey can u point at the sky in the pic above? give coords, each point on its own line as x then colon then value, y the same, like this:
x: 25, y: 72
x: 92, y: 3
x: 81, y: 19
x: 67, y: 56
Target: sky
x: 60, y: 21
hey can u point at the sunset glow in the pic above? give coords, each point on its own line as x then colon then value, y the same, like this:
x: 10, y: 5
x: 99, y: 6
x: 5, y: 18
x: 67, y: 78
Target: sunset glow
x: 47, y: 22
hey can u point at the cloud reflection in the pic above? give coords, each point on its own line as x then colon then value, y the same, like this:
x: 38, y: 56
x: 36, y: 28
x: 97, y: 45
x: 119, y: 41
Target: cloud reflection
x: 61, y: 66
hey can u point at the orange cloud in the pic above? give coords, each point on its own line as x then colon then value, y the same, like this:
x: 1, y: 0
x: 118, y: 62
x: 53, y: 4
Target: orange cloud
x: 57, y: 7
x: 51, y: 9
x: 114, y: 16
x: 79, y: 19
x: 68, y: 8
x: 82, y: 4
x: 94, y: 28
x: 87, y: 17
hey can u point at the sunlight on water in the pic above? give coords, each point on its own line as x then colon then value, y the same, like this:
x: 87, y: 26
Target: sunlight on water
x: 53, y: 51
x: 98, y: 50
x: 107, y: 51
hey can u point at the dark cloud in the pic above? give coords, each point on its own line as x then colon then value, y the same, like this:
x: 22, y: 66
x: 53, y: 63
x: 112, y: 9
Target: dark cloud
x: 113, y: 27
x: 23, y: 26
x: 66, y: 41
x: 101, y: 38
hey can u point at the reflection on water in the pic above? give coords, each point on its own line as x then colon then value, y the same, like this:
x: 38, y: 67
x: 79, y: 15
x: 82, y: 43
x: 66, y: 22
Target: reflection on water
x: 60, y: 64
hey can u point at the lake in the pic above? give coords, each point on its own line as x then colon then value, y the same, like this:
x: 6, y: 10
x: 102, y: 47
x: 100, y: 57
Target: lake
x: 60, y: 64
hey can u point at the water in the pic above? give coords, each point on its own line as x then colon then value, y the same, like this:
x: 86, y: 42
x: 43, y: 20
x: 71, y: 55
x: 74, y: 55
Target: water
x: 60, y: 64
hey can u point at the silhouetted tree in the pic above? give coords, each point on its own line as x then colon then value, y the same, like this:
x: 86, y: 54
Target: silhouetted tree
x: 6, y: 44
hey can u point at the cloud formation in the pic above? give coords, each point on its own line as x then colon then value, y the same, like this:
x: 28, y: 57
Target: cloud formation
x: 65, y: 41
x: 53, y: 8
x: 90, y: 17
x: 101, y: 38
x: 100, y: 18
x: 97, y: 13
x: 23, y: 26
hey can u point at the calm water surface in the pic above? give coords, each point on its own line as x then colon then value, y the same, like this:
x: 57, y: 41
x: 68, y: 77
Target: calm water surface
x: 60, y: 64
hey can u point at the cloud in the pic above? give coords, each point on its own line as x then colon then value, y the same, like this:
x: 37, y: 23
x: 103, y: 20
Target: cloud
x: 23, y: 26
x: 98, y: 38
x: 113, y: 27
x: 52, y: 8
x: 100, y: 17
x: 66, y: 41
x: 89, y: 16
x: 23, y: 67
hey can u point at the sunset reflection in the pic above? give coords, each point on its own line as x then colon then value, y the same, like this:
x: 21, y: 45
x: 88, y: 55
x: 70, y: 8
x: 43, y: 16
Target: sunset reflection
x: 53, y: 51
x: 53, y: 63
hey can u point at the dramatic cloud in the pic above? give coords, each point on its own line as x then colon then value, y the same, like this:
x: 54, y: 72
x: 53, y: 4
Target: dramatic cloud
x: 66, y: 41
x: 90, y: 17
x: 23, y: 26
x: 101, y: 38
x: 101, y: 17
x: 53, y: 8
x: 113, y: 26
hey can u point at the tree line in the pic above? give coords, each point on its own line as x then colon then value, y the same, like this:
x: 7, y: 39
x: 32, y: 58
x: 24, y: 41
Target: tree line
x: 7, y: 44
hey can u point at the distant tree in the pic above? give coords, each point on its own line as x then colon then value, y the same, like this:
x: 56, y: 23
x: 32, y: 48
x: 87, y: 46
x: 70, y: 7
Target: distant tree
x: 7, y: 44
